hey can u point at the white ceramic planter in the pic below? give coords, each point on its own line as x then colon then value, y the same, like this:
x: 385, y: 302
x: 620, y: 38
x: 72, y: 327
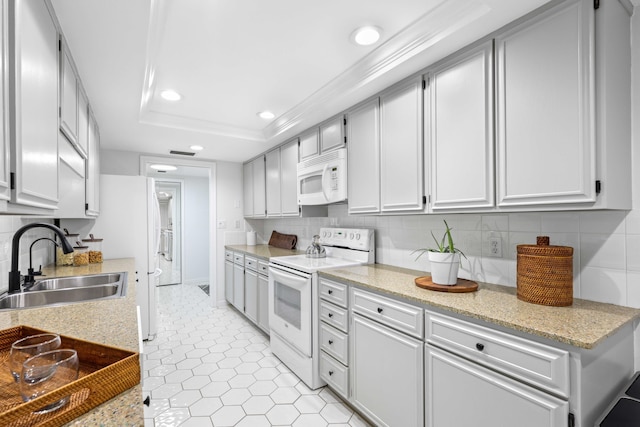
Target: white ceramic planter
x: 444, y: 267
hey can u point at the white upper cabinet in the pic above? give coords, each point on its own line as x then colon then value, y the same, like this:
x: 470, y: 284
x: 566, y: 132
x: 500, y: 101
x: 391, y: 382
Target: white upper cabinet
x: 309, y: 144
x: 5, y: 170
x: 545, y: 108
x: 93, y: 169
x: 273, y: 191
x: 401, y: 147
x: 289, y: 178
x: 68, y: 95
x: 34, y: 126
x: 259, y: 199
x: 363, y: 134
x: 82, y: 144
x: 459, y: 128
x: 332, y: 134
x: 247, y: 184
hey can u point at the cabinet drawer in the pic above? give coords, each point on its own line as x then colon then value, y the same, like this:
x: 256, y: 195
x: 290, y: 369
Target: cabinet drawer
x: 534, y: 363
x: 398, y: 315
x: 263, y: 267
x: 238, y: 258
x: 334, y: 315
x: 334, y: 342
x: 228, y: 256
x: 335, y: 374
x: 334, y: 292
x: 250, y: 263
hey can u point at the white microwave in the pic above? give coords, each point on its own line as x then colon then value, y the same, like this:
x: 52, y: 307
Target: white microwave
x: 323, y: 179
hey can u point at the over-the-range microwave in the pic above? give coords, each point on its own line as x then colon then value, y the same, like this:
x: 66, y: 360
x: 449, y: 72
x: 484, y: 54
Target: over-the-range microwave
x: 323, y: 179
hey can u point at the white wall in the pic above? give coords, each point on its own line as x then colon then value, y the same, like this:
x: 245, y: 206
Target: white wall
x: 196, y: 230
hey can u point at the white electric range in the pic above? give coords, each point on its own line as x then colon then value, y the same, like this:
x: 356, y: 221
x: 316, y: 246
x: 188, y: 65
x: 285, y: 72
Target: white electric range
x: 294, y: 299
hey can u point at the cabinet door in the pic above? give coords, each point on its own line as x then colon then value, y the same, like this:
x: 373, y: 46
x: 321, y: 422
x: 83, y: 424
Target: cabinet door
x: 459, y: 123
x: 69, y: 96
x: 391, y: 397
x: 309, y: 145
x: 238, y: 287
x: 289, y: 178
x: 251, y: 295
x: 247, y: 185
x: 363, y: 133
x: 5, y: 170
x: 332, y: 134
x: 263, y: 302
x: 228, y: 281
x: 546, y: 146
x: 401, y: 155
x: 83, y: 123
x: 272, y: 186
x: 491, y: 399
x: 35, y: 94
x: 93, y: 169
x: 259, y: 200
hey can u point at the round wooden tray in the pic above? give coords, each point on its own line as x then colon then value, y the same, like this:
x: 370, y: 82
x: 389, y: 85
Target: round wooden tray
x: 463, y: 285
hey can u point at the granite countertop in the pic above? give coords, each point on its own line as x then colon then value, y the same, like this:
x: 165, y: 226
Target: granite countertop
x: 584, y: 324
x: 112, y: 322
x: 264, y: 251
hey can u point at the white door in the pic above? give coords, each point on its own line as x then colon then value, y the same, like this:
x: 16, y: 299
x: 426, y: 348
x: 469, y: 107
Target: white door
x: 332, y: 134
x: 401, y: 148
x: 290, y: 307
x: 309, y: 144
x: 387, y: 374
x: 490, y: 399
x: 459, y: 130
x: 363, y: 134
x: 545, y: 136
x: 238, y: 287
x: 5, y: 138
x: 251, y: 295
x: 153, y: 262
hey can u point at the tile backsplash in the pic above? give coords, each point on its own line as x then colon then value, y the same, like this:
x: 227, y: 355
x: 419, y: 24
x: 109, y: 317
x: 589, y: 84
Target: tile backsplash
x: 606, y: 260
x: 42, y: 253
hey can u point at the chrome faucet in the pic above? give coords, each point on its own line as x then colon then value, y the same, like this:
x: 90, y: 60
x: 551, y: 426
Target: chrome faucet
x: 14, y: 274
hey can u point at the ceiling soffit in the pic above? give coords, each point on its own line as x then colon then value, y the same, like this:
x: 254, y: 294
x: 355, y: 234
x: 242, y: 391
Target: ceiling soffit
x: 437, y: 24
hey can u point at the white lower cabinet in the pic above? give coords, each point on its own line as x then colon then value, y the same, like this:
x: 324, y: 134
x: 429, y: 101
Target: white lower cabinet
x: 462, y: 393
x: 387, y: 374
x: 251, y: 295
x: 263, y: 300
x: 238, y: 287
x: 228, y: 281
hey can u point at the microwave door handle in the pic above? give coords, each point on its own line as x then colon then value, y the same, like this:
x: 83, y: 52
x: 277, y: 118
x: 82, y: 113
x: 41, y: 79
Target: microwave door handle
x: 324, y: 183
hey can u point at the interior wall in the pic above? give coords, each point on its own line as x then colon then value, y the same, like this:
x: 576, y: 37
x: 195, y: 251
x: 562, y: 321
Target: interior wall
x: 196, y: 230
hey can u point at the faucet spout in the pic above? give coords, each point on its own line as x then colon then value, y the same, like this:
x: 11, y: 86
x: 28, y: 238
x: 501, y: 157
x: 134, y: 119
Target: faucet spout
x: 14, y: 274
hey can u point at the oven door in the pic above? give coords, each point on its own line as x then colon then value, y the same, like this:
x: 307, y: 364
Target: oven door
x: 290, y: 306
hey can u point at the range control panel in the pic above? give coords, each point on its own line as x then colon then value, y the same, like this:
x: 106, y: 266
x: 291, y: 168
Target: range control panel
x: 351, y: 238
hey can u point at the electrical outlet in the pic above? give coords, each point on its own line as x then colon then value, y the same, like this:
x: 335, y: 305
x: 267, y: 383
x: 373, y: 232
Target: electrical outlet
x: 222, y: 223
x: 495, y: 247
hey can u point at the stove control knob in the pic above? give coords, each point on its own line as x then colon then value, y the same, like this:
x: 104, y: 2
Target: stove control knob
x: 357, y: 236
x: 351, y: 236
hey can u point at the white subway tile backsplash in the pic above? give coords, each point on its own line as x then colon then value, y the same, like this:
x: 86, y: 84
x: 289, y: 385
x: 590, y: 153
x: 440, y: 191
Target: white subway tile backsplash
x: 562, y: 222
x: 633, y: 252
x: 604, y: 285
x: 607, y: 222
x: 603, y: 251
x: 495, y: 222
x: 632, y: 222
x: 633, y: 289
x: 525, y: 222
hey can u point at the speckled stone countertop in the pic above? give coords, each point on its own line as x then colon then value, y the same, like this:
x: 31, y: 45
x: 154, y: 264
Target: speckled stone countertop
x: 111, y: 322
x: 264, y: 251
x: 584, y: 324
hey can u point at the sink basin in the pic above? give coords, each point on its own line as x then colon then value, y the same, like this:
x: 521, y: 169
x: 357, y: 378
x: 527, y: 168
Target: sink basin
x: 68, y: 290
x: 76, y: 282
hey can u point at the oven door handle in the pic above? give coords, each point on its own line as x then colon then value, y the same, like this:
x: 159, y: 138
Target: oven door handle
x: 296, y: 281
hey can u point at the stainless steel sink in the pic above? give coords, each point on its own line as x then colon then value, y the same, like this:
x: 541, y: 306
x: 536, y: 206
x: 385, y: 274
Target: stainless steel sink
x: 67, y: 290
x: 76, y: 282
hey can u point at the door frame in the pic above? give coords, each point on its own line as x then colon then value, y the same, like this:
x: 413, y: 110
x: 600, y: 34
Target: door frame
x: 146, y: 161
x: 180, y: 184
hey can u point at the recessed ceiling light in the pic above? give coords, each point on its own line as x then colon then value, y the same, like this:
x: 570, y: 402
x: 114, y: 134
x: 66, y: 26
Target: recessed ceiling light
x: 267, y: 115
x: 163, y: 168
x: 197, y: 147
x: 365, y: 36
x: 170, y: 95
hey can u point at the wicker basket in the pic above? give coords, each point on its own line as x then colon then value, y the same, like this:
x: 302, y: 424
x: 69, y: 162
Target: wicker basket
x: 545, y: 273
x: 104, y: 373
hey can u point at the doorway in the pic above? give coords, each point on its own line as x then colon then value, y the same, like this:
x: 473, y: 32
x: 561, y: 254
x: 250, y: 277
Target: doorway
x: 169, y: 195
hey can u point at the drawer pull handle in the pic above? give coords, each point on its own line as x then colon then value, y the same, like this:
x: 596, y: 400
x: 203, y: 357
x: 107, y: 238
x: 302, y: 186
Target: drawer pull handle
x: 330, y: 373
x: 330, y: 342
x: 480, y: 346
x: 330, y: 291
x: 379, y: 309
x: 330, y: 314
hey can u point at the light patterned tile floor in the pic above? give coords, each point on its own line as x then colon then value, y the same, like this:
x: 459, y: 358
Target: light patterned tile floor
x: 211, y: 367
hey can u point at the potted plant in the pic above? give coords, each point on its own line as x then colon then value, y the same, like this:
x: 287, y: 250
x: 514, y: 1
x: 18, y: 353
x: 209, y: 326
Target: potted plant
x: 444, y: 259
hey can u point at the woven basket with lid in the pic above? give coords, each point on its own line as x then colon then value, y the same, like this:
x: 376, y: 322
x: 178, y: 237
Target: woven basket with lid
x: 545, y: 273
